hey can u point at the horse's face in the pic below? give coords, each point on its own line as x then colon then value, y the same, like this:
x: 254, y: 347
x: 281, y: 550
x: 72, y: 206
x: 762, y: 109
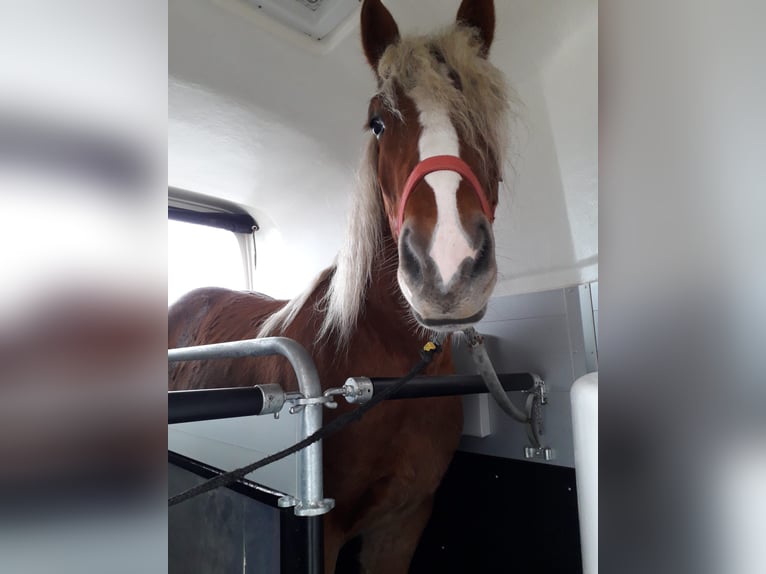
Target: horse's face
x: 440, y: 215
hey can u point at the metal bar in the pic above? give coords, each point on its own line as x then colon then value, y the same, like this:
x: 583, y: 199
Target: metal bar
x: 209, y: 404
x: 310, y: 499
x: 450, y: 385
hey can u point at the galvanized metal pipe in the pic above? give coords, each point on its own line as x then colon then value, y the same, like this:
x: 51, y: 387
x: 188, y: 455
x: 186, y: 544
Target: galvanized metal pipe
x: 310, y: 501
x: 487, y: 372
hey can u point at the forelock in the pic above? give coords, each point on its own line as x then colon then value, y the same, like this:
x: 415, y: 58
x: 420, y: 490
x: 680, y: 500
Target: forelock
x: 427, y: 67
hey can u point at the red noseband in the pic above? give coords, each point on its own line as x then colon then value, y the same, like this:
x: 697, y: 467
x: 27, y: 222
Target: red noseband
x: 442, y: 163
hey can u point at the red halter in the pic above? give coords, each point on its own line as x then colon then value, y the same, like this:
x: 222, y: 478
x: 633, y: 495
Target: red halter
x: 442, y: 163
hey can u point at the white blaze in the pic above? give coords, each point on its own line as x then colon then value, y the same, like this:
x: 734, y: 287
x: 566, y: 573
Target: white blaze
x: 450, y: 245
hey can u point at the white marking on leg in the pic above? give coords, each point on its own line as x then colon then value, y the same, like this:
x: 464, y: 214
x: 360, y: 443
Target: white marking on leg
x: 450, y: 245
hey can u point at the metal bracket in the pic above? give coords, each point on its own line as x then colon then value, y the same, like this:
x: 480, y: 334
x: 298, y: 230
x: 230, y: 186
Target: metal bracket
x: 543, y: 452
x: 537, y: 397
x: 315, y: 509
x: 287, y: 501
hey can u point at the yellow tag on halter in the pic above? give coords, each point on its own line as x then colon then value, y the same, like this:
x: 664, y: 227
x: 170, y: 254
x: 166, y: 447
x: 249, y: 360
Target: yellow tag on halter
x: 429, y: 347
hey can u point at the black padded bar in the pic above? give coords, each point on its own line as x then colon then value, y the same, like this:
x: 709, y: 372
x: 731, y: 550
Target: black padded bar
x: 208, y: 404
x: 448, y: 385
x: 236, y: 222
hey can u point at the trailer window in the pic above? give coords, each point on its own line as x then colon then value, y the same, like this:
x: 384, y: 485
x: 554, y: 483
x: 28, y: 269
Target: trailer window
x: 201, y: 256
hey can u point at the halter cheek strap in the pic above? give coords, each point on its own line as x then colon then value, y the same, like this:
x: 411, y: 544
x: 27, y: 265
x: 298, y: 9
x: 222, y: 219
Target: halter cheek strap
x: 442, y: 163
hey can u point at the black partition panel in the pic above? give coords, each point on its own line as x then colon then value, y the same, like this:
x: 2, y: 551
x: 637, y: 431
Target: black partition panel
x: 491, y: 515
x: 495, y: 515
x: 237, y: 529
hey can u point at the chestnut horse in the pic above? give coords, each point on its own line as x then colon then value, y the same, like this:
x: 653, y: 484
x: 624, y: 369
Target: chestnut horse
x: 419, y: 257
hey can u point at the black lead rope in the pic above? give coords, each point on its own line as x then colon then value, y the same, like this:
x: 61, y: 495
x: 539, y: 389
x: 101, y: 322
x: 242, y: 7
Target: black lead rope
x: 427, y: 354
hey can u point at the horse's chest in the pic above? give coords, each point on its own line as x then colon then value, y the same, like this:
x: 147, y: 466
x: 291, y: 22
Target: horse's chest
x: 399, y: 451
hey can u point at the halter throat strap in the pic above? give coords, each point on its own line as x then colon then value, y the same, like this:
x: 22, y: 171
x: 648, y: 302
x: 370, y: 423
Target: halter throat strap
x: 442, y: 163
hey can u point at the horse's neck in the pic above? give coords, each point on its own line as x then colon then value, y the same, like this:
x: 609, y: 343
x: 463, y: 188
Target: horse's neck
x: 387, y: 340
x: 383, y: 290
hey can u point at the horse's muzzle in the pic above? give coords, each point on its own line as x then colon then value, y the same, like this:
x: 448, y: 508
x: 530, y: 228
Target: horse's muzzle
x: 462, y: 301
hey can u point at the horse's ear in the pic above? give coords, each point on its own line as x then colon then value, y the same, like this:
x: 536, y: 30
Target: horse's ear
x: 479, y: 14
x: 379, y: 30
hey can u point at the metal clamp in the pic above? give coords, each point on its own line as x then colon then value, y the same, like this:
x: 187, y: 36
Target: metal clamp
x: 273, y: 398
x: 357, y: 390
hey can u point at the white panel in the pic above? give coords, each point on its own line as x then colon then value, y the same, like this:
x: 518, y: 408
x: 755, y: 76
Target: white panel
x: 738, y: 494
x: 233, y: 443
x: 585, y: 434
x: 476, y: 416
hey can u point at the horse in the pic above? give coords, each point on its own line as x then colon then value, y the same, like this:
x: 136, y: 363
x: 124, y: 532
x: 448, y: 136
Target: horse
x: 418, y: 259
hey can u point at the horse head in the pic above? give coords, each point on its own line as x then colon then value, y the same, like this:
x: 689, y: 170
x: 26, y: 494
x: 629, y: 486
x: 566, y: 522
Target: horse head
x: 439, y: 124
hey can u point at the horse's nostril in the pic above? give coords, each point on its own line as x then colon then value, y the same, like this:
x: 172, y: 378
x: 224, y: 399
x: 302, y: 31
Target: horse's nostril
x: 482, y: 258
x: 484, y: 254
x: 409, y: 260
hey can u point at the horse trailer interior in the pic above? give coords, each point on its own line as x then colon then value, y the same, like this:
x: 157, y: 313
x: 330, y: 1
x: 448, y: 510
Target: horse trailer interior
x: 266, y: 101
x: 391, y: 228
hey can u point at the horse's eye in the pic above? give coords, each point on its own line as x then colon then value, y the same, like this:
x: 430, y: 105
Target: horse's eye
x: 377, y: 126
